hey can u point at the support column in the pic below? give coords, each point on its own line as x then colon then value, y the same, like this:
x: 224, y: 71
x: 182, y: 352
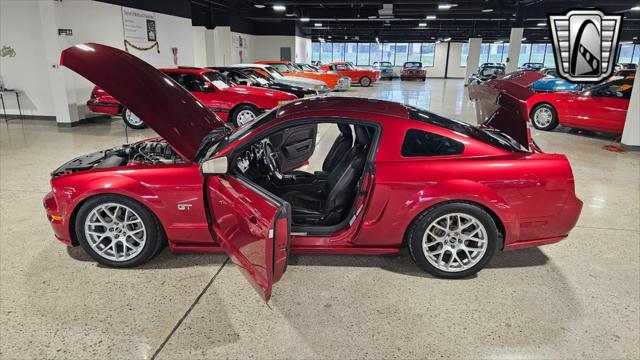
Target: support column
x: 64, y: 103
x: 631, y: 132
x: 473, y: 57
x: 515, y: 42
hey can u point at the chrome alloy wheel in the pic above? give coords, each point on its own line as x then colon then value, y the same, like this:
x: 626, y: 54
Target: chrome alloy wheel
x: 115, y: 232
x: 245, y: 116
x: 455, y: 242
x: 543, y: 117
x: 132, y: 118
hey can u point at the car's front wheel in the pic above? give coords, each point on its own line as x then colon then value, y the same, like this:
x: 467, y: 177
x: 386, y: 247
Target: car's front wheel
x: 544, y: 117
x: 117, y: 231
x: 132, y: 120
x: 453, y: 240
x: 243, y: 114
x: 365, y: 81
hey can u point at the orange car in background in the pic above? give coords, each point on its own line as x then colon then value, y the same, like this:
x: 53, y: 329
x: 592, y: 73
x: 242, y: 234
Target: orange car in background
x: 334, y: 81
x: 363, y: 77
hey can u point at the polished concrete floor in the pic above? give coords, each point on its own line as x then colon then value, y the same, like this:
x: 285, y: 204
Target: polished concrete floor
x: 575, y: 299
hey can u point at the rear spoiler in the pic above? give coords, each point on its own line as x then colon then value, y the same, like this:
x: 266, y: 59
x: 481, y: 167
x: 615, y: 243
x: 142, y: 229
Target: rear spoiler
x: 502, y: 104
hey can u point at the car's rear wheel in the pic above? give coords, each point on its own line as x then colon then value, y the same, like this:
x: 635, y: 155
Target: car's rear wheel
x: 365, y: 81
x: 244, y: 114
x: 454, y: 240
x: 132, y: 120
x: 544, y: 117
x: 117, y: 231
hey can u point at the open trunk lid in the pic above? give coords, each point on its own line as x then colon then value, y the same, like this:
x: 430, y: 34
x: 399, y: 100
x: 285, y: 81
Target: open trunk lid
x: 160, y: 102
x: 502, y: 104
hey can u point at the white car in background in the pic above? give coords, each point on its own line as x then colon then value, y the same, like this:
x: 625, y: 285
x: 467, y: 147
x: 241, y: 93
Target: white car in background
x: 317, y: 85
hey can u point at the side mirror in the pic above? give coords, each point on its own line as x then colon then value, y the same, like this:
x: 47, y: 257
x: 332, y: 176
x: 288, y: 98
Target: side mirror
x: 215, y: 166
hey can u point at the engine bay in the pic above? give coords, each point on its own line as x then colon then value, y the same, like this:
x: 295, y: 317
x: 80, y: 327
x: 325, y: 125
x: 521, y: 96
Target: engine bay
x: 152, y: 152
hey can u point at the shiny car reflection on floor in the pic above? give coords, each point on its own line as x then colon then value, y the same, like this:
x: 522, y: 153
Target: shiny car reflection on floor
x: 453, y: 193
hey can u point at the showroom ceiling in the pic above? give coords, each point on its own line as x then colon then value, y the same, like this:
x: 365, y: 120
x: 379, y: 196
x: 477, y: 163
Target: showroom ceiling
x: 406, y: 20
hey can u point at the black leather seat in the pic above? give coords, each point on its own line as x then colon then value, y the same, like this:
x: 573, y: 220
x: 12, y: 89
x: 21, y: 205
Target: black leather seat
x: 338, y: 151
x: 329, y: 207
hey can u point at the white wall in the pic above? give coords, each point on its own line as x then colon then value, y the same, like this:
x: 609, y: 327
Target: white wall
x: 302, y: 51
x: 454, y: 69
x: 439, y: 61
x: 199, y: 46
x: 267, y: 47
x: 21, y: 28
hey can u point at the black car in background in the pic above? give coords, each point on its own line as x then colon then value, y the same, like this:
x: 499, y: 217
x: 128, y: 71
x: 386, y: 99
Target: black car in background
x: 531, y: 66
x: 487, y: 71
x: 250, y: 77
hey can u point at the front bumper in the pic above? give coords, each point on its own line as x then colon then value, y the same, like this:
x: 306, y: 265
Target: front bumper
x: 414, y: 75
x: 57, y: 219
x: 103, y: 107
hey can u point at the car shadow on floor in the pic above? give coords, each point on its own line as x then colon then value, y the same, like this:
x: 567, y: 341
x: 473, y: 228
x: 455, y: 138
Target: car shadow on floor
x: 403, y: 264
x: 164, y: 260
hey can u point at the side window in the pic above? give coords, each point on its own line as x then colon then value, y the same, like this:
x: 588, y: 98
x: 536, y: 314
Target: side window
x: 192, y: 82
x: 341, y: 67
x: 422, y: 143
x: 176, y: 77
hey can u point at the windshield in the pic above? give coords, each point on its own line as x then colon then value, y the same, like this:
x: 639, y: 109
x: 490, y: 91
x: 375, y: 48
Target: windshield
x: 217, y: 79
x: 382, y: 64
x: 487, y: 71
x: 413, y: 64
x: 492, y: 137
x: 274, y: 72
x: 283, y: 68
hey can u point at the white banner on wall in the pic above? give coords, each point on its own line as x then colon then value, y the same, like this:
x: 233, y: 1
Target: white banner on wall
x: 139, y: 25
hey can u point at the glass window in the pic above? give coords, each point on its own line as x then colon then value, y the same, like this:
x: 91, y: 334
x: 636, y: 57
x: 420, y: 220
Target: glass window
x: 625, y: 54
x: 495, y: 53
x: 428, y: 54
x: 525, y: 52
x: 549, y: 58
x: 464, y: 54
x: 375, y: 53
x: 338, y: 52
x: 537, y: 53
x: 326, y: 55
x: 484, y: 53
x: 315, y: 51
x: 505, y: 53
x: 388, y: 52
x: 401, y: 53
x: 422, y: 143
x: 363, y: 54
x: 414, y: 52
x: 350, y: 52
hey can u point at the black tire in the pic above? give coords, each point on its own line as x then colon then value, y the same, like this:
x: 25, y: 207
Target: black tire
x: 424, y: 79
x: 365, y: 81
x: 419, y: 226
x: 401, y: 78
x: 546, y: 126
x: 155, y: 236
x: 129, y: 119
x: 239, y: 110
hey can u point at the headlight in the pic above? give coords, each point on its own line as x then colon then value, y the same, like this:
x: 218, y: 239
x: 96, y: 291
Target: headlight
x: 282, y: 102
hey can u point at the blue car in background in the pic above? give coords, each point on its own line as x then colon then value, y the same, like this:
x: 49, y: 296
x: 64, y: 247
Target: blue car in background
x: 386, y: 69
x: 553, y: 83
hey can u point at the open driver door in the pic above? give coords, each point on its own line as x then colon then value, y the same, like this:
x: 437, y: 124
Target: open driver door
x: 250, y: 224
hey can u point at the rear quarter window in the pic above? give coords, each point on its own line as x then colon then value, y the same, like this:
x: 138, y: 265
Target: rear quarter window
x: 422, y: 143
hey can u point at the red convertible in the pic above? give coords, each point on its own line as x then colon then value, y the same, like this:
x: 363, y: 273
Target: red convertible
x: 237, y: 104
x: 362, y: 77
x: 395, y: 174
x: 600, y: 108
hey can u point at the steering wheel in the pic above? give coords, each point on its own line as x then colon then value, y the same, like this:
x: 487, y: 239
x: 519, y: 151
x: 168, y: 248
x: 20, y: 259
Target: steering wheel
x: 270, y: 158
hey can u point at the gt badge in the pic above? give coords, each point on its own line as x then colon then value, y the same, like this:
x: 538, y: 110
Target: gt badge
x: 585, y: 43
x: 184, y: 207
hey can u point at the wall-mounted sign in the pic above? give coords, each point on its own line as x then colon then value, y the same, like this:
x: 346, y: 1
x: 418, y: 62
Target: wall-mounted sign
x: 65, y: 32
x: 139, y: 25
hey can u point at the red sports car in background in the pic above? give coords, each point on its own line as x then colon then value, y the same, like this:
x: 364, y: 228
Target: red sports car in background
x: 237, y: 104
x: 413, y: 70
x: 453, y: 192
x: 600, y: 108
x: 363, y: 77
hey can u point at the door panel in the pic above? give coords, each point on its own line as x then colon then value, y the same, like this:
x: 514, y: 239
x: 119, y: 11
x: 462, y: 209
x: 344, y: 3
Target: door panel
x: 294, y: 145
x: 253, y: 228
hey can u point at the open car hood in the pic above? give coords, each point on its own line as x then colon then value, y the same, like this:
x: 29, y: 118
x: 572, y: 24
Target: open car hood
x: 160, y: 102
x: 502, y: 104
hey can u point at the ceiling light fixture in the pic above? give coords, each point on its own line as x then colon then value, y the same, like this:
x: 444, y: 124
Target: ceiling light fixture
x: 304, y: 19
x: 260, y: 6
x: 321, y: 39
x: 422, y: 24
x: 487, y: 10
x: 431, y: 17
x: 635, y: 38
x: 523, y: 39
x: 546, y: 38
x: 377, y: 40
x: 635, y: 8
x: 447, y: 39
x: 372, y: 17
x: 438, y: 41
x: 433, y: 38
x: 498, y: 42
x: 541, y: 24
x: 317, y: 24
x: 279, y: 7
x: 446, y: 6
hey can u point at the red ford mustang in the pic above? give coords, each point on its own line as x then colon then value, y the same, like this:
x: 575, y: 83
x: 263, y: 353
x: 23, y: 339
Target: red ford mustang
x: 600, y: 108
x: 237, y: 104
x: 454, y: 193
